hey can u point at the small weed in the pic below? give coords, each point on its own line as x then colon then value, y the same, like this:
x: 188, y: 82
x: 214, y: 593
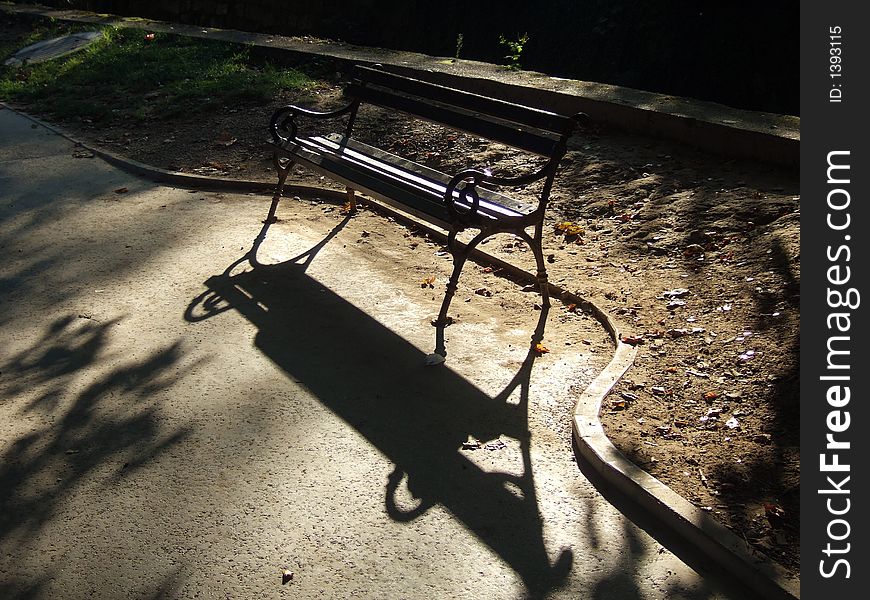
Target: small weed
x: 515, y: 49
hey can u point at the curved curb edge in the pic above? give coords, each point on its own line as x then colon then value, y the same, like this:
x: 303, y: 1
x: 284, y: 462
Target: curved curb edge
x: 697, y: 528
x: 693, y: 525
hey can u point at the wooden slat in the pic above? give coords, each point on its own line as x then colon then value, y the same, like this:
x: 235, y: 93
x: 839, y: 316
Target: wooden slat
x: 392, y: 178
x: 543, y: 144
x: 537, y: 118
x: 526, y: 115
x: 428, y: 177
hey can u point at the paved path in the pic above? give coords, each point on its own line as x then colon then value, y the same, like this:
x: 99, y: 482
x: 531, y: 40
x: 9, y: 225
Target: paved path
x: 165, y: 437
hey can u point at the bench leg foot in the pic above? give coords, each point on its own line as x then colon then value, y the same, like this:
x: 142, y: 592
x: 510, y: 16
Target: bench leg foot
x: 283, y: 172
x: 542, y: 280
x: 459, y: 258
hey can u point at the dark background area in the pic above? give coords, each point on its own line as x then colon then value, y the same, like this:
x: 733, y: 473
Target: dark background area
x: 739, y: 54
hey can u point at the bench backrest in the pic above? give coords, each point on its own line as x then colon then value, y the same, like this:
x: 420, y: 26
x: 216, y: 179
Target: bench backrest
x: 534, y: 130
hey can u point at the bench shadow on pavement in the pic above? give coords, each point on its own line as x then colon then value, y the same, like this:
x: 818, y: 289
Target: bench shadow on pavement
x: 417, y: 416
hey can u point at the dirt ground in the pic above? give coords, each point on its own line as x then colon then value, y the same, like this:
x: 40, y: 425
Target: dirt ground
x: 695, y: 256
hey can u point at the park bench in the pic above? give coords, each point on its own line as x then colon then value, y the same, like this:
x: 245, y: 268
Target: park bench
x: 467, y: 200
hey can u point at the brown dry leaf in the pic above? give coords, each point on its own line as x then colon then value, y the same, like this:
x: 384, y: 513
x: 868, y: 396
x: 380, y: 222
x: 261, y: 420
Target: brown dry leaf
x: 225, y: 138
x: 775, y: 514
x: 569, y: 228
x: 122, y: 190
x: 671, y: 370
x: 346, y: 208
x: 572, y: 308
x: 711, y: 395
x: 541, y: 348
x: 428, y: 282
x: 632, y: 340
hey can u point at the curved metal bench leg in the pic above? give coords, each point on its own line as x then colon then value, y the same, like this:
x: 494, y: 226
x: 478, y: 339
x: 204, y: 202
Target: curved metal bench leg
x: 283, y: 172
x: 537, y: 250
x: 460, y: 255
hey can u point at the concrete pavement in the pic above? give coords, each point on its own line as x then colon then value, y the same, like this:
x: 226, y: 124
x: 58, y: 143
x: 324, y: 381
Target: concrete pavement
x: 174, y: 423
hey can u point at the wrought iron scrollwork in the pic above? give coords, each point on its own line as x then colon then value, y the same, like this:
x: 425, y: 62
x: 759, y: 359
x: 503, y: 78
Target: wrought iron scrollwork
x: 284, y: 119
x: 461, y: 196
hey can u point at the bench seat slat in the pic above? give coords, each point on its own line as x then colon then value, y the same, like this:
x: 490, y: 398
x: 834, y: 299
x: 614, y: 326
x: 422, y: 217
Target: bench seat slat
x: 390, y: 177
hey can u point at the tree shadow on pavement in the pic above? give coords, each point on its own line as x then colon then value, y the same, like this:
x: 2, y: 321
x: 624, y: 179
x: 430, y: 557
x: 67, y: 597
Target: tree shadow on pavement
x: 417, y: 416
x: 108, y: 424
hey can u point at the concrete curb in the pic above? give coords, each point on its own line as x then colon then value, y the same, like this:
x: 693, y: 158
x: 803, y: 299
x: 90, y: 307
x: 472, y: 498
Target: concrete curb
x: 698, y: 529
x: 694, y: 526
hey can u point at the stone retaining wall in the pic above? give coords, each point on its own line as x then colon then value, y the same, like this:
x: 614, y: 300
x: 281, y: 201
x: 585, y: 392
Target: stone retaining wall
x: 738, y: 55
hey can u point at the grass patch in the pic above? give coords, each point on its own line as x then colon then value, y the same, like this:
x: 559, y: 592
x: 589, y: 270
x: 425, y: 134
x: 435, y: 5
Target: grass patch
x: 129, y: 74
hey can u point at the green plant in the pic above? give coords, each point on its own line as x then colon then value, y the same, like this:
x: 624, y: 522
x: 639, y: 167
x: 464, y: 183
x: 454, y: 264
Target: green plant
x: 130, y: 74
x: 515, y: 49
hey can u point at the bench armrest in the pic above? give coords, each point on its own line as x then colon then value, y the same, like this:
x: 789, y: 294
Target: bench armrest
x: 464, y: 185
x: 284, y: 119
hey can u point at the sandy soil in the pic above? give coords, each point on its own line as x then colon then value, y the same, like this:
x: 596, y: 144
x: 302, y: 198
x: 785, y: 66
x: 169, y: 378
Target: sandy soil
x: 696, y: 257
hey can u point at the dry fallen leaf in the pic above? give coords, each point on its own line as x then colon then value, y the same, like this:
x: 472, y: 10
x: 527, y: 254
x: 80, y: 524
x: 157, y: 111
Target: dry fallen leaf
x: 122, y: 190
x: 428, y: 282
x: 225, y: 138
x: 775, y: 514
x: 541, y: 348
x: 710, y: 396
x: 569, y: 228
